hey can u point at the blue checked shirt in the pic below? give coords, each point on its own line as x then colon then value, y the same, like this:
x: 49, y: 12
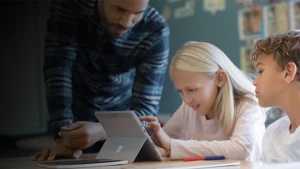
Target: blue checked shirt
x: 85, y: 72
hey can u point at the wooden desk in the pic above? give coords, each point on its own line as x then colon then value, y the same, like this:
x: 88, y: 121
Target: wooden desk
x: 27, y: 163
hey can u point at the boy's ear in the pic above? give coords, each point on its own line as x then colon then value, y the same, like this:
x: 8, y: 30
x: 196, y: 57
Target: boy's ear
x: 220, y: 78
x: 290, y: 72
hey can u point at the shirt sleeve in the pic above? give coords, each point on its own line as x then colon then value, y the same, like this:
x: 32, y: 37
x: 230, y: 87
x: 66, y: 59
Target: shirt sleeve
x: 245, y: 139
x: 175, y: 126
x: 59, y: 60
x: 150, y: 73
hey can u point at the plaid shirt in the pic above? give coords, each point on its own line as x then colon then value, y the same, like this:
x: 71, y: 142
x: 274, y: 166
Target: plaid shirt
x: 85, y: 71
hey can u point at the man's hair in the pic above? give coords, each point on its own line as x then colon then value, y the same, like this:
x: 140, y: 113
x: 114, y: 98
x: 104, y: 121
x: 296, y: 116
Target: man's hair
x: 285, y: 48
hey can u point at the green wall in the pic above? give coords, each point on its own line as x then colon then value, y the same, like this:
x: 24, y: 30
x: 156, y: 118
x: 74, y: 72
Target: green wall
x: 220, y: 29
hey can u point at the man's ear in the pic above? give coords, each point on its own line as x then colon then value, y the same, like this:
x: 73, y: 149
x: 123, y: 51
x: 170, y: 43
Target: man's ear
x: 220, y: 78
x: 290, y: 72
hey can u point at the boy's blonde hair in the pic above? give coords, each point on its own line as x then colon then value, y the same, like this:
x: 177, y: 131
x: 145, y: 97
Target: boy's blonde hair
x: 284, y: 47
x: 207, y: 58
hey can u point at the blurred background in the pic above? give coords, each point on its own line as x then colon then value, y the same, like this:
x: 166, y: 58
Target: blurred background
x: 231, y: 25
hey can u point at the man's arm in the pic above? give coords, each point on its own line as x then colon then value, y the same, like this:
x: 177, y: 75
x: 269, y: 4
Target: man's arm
x: 150, y: 73
x: 59, y: 60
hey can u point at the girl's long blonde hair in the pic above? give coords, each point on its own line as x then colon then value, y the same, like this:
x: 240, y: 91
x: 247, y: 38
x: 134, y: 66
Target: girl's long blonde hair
x: 206, y: 58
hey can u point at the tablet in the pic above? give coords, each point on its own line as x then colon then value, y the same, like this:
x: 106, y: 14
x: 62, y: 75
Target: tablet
x: 80, y: 163
x: 127, y: 138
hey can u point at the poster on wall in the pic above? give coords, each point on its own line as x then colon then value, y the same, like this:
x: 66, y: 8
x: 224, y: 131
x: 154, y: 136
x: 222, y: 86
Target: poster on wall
x: 276, y: 18
x: 246, y: 63
x: 244, y: 1
x: 270, y: 20
x: 250, y: 23
x: 166, y: 13
x: 213, y: 6
x: 295, y: 15
x: 173, y: 1
x: 185, y: 11
x: 282, y: 17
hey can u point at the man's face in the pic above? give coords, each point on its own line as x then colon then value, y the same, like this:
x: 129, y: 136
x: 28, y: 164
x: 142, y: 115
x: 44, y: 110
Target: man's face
x: 117, y: 16
x: 269, y: 81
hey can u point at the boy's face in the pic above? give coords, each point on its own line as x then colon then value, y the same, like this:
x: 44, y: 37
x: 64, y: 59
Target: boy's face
x: 269, y: 81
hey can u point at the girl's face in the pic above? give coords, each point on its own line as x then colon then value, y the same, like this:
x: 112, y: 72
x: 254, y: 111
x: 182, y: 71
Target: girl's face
x: 198, y: 90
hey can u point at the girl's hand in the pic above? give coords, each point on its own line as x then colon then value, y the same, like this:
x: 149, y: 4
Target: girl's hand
x: 153, y: 123
x: 163, y: 152
x: 160, y: 138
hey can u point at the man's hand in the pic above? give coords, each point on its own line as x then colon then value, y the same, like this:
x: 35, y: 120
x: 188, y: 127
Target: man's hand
x: 60, y: 150
x: 160, y: 138
x: 82, y: 134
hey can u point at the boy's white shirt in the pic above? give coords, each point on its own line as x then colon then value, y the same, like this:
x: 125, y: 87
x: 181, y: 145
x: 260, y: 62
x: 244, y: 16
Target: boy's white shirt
x: 279, y: 145
x: 193, y: 135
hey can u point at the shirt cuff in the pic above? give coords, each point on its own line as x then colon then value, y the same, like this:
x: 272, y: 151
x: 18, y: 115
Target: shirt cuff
x: 175, y: 151
x: 57, y: 125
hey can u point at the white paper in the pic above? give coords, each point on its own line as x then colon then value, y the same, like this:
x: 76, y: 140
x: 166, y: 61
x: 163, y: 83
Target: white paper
x: 205, y: 165
x: 293, y: 165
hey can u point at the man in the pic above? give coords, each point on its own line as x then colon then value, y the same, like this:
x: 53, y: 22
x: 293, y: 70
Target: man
x: 100, y: 56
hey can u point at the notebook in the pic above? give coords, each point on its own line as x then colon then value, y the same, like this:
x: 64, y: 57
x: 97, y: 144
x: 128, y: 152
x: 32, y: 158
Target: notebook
x: 202, y: 164
x: 287, y: 165
x: 74, y: 163
x: 126, y: 138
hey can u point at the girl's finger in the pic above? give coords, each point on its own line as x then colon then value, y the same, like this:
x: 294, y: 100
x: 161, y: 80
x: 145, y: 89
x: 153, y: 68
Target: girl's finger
x: 154, y: 124
x: 148, y: 118
x: 147, y: 127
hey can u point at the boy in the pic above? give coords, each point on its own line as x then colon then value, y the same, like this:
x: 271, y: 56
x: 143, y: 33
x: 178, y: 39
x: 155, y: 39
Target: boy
x: 278, y: 84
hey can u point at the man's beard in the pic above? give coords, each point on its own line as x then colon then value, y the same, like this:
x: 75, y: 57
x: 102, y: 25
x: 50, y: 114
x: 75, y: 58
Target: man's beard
x: 105, y: 23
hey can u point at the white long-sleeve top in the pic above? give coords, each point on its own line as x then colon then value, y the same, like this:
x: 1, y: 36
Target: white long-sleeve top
x: 279, y: 145
x: 192, y: 135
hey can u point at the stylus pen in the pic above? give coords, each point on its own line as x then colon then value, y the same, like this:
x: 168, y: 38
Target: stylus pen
x: 204, y: 158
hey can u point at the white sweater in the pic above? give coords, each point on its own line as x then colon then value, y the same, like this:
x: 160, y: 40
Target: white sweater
x: 193, y: 135
x: 279, y: 145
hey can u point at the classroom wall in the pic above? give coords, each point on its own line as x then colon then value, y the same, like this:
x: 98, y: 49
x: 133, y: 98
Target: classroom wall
x: 219, y: 29
x: 22, y: 31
